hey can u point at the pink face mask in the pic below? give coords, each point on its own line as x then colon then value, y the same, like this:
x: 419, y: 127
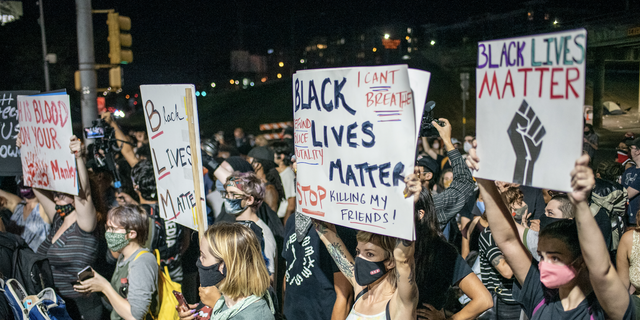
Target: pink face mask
x: 554, y: 276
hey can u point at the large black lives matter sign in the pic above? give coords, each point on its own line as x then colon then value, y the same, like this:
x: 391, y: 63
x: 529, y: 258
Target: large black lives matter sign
x: 10, y: 163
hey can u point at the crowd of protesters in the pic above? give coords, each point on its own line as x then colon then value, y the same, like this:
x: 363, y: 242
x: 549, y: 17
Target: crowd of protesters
x: 483, y: 249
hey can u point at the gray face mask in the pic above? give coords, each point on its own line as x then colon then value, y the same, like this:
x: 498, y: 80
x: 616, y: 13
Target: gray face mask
x: 520, y: 212
x: 234, y: 206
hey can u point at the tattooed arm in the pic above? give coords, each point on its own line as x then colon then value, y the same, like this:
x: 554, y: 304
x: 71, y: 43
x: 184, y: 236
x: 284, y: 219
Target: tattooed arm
x: 338, y: 251
x: 500, y: 264
x: 407, y: 293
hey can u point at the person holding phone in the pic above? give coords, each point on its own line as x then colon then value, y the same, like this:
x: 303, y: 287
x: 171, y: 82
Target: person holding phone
x: 71, y: 244
x: 133, y: 290
x: 231, y: 261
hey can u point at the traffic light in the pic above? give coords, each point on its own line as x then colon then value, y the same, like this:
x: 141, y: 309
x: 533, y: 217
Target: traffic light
x: 115, y: 77
x: 118, y: 40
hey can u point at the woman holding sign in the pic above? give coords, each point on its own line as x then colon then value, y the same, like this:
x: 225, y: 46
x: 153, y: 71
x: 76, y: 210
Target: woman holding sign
x: 72, y: 245
x: 382, y: 273
x: 575, y: 278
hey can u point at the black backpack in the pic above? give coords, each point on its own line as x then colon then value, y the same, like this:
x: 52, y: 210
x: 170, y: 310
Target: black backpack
x: 19, y: 262
x: 167, y: 237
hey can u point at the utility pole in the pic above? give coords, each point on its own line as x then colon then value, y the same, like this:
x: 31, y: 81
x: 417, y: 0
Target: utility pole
x: 47, y: 85
x: 86, y: 59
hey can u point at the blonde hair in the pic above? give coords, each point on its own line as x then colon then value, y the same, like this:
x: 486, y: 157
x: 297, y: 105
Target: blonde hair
x: 388, y: 244
x: 238, y: 247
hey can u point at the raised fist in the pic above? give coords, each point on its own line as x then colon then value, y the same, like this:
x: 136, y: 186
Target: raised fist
x: 526, y: 133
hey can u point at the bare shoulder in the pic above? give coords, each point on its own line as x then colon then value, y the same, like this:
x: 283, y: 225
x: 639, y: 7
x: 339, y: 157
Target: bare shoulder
x: 627, y: 239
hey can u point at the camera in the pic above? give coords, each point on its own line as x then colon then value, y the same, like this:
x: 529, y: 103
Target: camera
x: 104, y: 146
x: 427, y: 129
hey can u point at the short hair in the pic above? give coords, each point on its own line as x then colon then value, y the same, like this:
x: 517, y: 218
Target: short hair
x: 250, y: 184
x: 513, y: 195
x: 237, y: 246
x: 566, y: 207
x: 143, y: 177
x: 281, y: 147
x: 131, y: 218
x: 566, y: 231
x: 610, y: 170
x: 388, y: 244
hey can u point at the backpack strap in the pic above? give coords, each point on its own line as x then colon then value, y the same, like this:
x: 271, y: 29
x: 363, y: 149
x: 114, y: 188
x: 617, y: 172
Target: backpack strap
x: 538, y: 307
x: 388, y: 314
x: 360, y: 294
x: 139, y: 254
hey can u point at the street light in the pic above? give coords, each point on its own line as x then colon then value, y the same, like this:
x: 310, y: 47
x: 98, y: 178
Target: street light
x: 281, y: 64
x: 433, y: 42
x: 386, y: 36
x: 213, y: 84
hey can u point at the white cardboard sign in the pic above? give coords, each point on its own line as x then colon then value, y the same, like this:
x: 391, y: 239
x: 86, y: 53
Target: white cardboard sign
x: 355, y: 135
x: 168, y: 130
x: 45, y: 133
x: 530, y: 95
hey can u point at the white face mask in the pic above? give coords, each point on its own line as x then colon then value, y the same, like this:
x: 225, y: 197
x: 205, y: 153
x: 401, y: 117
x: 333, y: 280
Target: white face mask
x: 467, y: 146
x: 436, y: 145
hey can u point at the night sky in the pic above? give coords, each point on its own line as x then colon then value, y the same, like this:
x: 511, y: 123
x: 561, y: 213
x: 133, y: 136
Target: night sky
x: 189, y: 41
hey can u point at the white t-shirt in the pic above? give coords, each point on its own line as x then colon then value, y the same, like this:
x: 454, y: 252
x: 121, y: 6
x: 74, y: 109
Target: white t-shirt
x: 289, y: 185
x: 269, y: 245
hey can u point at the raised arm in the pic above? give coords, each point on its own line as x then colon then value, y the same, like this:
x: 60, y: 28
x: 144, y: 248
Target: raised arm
x: 503, y: 227
x: 83, y: 202
x: 127, y: 148
x: 45, y: 197
x: 450, y: 201
x: 407, y: 297
x: 612, y: 294
x: 338, y: 252
x: 12, y: 200
x: 427, y: 148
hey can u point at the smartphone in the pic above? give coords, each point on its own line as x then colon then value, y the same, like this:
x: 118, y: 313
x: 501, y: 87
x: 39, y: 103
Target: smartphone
x: 85, y: 274
x: 180, y: 298
x: 93, y: 132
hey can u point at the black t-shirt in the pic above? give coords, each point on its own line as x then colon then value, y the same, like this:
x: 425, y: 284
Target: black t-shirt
x: 468, y: 211
x: 604, y: 223
x: 531, y: 297
x: 309, y: 293
x: 447, y: 270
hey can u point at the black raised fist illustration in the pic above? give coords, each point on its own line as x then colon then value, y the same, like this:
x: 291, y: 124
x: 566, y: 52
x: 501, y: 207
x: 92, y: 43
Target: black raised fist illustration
x: 526, y: 133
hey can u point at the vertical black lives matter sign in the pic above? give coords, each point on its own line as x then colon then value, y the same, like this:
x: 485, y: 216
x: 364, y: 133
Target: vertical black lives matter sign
x: 10, y: 163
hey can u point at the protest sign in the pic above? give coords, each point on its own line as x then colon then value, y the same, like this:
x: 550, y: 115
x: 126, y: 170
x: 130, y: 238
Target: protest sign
x: 354, y: 136
x: 10, y: 163
x: 168, y: 126
x: 45, y: 132
x: 530, y: 96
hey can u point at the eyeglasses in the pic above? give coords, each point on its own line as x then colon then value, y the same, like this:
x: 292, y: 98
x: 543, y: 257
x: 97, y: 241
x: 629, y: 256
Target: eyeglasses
x: 59, y: 195
x: 231, y: 195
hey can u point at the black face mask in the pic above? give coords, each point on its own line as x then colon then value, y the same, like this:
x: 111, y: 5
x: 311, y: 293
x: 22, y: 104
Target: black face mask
x: 64, y: 210
x: 545, y: 221
x: 368, y: 272
x: 210, y: 276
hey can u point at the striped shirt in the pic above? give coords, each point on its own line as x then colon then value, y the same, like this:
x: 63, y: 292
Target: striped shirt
x: 450, y: 202
x: 491, y: 278
x: 72, y: 252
